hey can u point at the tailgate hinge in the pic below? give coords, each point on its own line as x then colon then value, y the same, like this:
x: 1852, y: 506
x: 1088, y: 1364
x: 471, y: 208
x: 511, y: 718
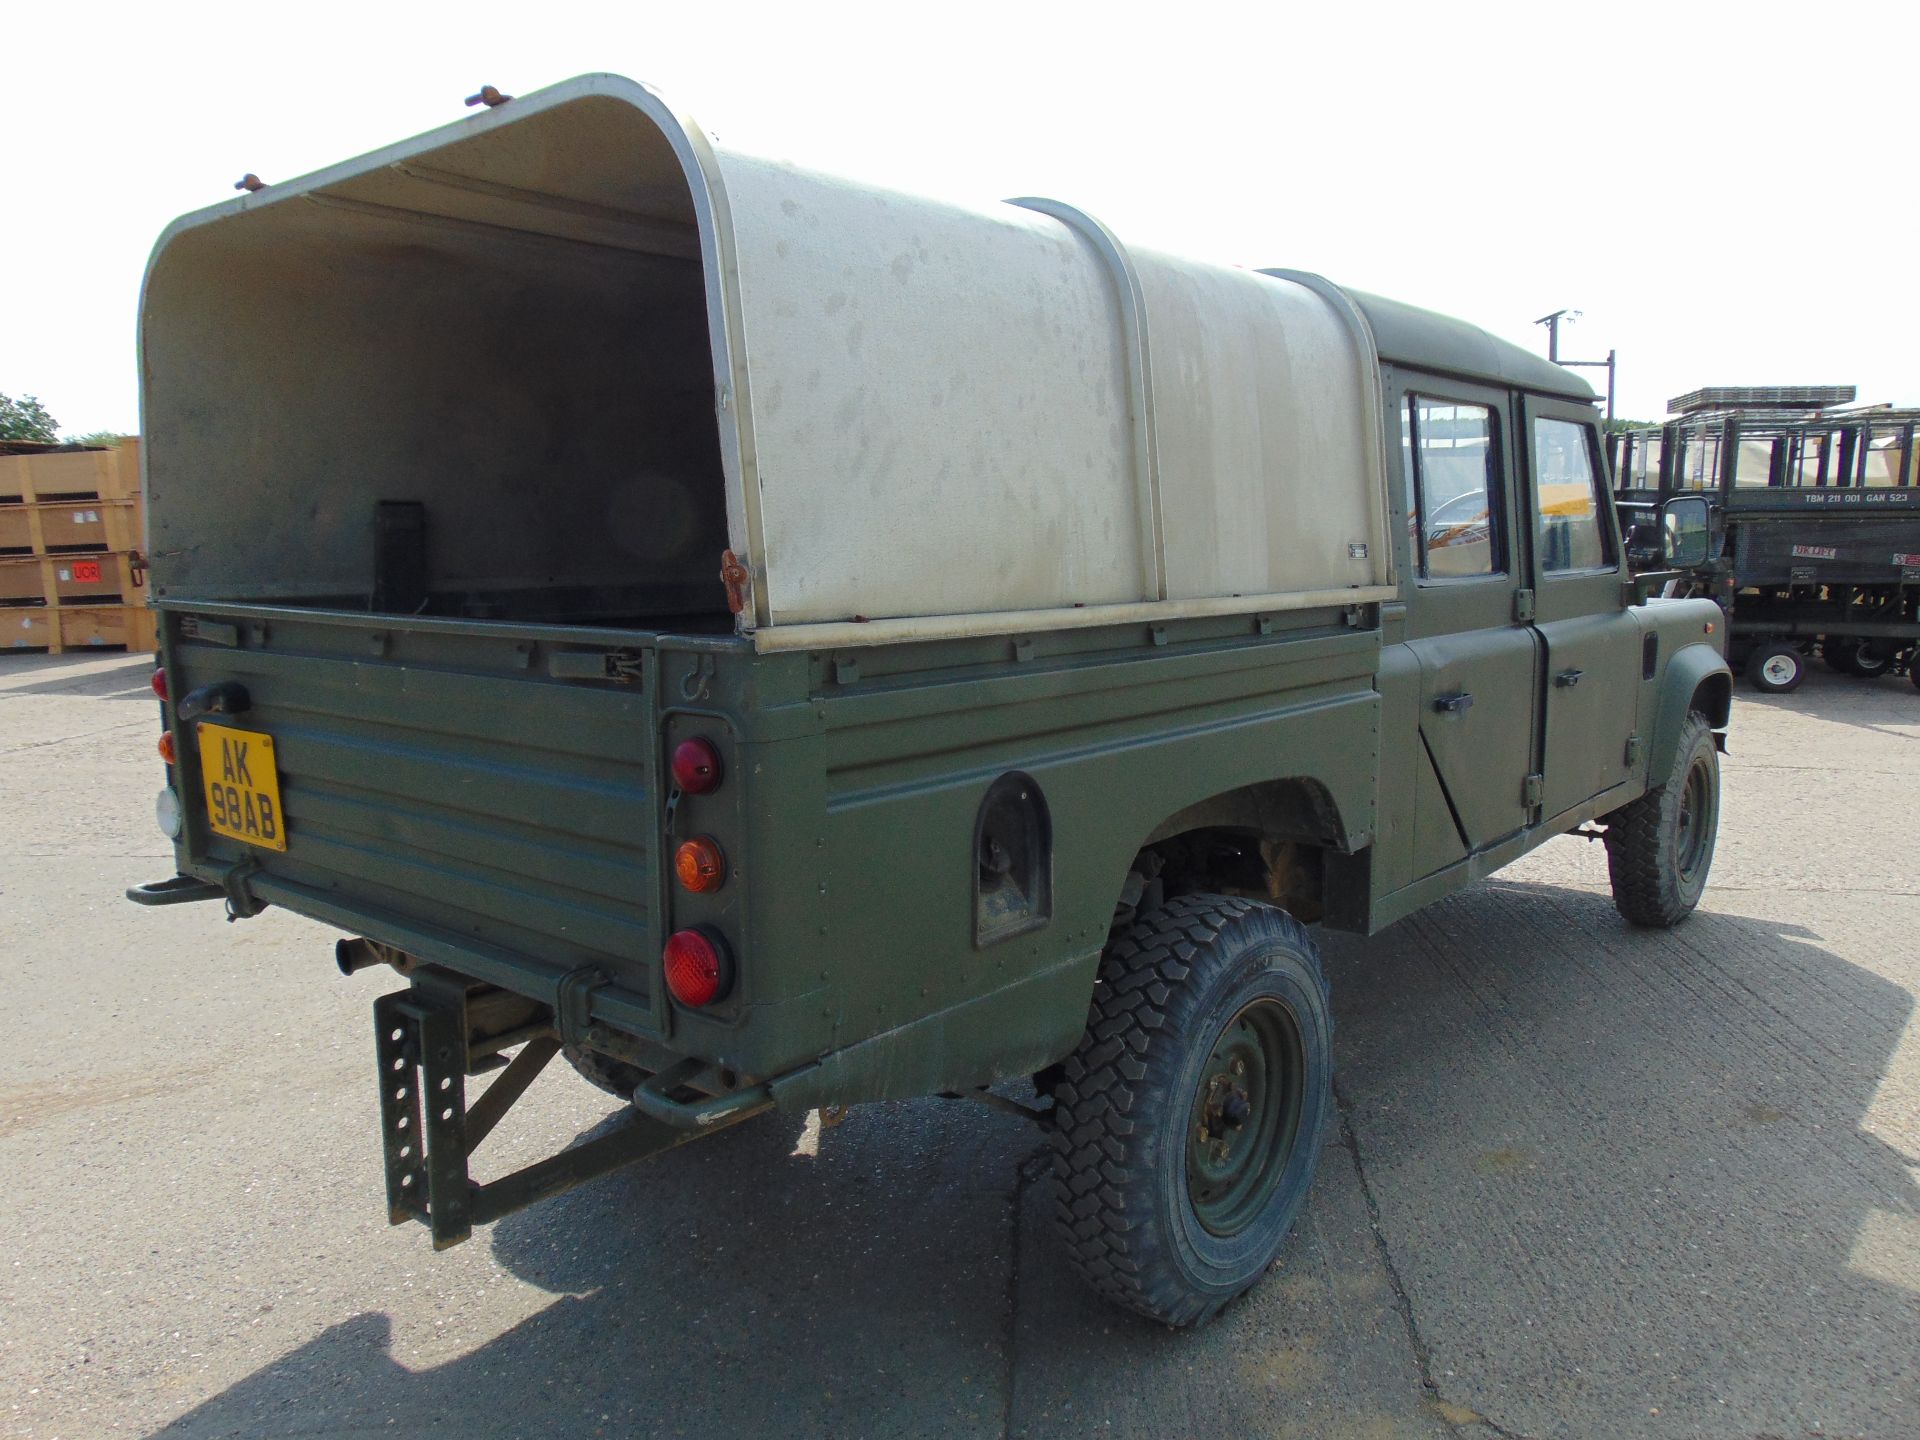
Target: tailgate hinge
x: 597, y: 665
x: 1522, y: 607
x: 626, y: 665
x: 1533, y: 791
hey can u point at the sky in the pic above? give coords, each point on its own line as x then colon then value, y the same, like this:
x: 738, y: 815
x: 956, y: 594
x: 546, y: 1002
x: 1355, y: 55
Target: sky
x: 1725, y: 191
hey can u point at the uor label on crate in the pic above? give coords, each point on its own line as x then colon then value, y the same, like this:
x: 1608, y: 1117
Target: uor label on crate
x: 85, y: 572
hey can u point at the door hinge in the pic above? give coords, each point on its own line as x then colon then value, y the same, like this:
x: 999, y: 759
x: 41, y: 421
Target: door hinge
x: 1633, y: 750
x: 1522, y: 607
x: 1533, y: 791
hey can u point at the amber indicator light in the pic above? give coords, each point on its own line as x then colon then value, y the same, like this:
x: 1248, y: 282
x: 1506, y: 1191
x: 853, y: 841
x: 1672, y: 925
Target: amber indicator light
x: 700, y: 864
x: 166, y: 746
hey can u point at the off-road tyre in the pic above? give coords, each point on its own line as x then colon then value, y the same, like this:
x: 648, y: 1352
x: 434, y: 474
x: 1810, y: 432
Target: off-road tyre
x: 616, y: 1077
x: 1777, y: 668
x: 1181, y: 991
x: 1660, y: 847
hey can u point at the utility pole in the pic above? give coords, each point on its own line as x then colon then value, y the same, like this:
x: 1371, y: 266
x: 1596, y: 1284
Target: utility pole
x: 1552, y: 322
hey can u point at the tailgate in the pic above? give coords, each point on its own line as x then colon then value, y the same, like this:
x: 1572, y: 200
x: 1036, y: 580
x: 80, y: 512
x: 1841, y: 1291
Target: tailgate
x: 478, y: 788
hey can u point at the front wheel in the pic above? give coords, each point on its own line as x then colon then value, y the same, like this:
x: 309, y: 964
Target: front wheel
x: 1188, y: 1122
x: 1777, y: 669
x: 1660, y: 847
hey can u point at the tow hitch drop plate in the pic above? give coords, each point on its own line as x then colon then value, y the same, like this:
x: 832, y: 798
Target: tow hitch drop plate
x: 422, y: 1049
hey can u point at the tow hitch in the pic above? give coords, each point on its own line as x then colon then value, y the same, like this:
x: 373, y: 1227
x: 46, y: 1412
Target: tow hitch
x: 429, y: 1040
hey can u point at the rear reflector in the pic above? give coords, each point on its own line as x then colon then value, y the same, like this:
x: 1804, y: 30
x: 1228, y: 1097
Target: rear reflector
x: 697, y: 967
x: 696, y: 766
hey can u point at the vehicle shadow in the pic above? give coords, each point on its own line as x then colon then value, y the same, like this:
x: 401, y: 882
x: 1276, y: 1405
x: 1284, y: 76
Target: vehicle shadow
x: 78, y: 673
x: 738, y: 1287
x: 1631, y: 1179
x: 1629, y: 1158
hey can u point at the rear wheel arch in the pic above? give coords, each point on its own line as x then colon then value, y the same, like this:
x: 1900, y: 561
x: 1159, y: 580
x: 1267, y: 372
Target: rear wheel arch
x: 1266, y: 841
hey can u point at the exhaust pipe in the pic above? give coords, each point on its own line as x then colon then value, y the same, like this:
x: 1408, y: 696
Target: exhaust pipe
x: 352, y: 955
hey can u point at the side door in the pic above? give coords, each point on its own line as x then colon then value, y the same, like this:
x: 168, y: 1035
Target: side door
x: 1479, y: 664
x: 1592, y: 643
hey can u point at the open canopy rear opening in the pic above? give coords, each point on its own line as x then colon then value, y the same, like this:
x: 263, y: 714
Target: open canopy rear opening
x: 467, y: 380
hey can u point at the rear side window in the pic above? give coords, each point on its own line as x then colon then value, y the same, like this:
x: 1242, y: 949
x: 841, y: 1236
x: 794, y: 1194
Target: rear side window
x: 1453, y: 488
x: 1572, y: 534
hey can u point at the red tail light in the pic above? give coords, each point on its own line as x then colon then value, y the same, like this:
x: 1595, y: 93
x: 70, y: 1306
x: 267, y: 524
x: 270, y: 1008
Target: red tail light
x: 697, y: 967
x: 696, y: 766
x: 160, y: 681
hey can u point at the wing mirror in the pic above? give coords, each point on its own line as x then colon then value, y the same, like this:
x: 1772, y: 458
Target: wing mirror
x: 1684, y: 535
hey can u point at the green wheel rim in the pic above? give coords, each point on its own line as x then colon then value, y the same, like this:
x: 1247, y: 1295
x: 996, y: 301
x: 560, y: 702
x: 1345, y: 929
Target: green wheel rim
x: 1696, y: 818
x: 1245, y: 1117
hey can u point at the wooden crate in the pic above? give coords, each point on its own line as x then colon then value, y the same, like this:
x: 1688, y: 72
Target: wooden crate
x: 70, y: 526
x: 57, y: 629
x: 27, y: 629
x: 72, y: 475
x: 63, y: 579
x: 87, y: 626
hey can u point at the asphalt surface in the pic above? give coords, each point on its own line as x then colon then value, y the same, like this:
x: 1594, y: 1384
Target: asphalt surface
x: 1589, y: 1181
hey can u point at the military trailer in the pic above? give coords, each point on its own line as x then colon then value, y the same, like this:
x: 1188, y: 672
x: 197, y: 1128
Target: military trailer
x: 780, y: 644
x: 1815, y: 523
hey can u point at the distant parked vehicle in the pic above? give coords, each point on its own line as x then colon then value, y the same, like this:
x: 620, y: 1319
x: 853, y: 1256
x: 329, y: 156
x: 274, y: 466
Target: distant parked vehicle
x: 1815, y: 524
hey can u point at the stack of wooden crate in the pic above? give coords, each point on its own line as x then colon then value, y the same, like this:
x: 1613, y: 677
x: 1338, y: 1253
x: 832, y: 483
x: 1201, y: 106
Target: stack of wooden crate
x: 72, y: 573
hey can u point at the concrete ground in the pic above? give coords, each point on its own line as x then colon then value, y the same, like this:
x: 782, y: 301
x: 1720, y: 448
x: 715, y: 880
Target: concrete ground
x: 1589, y: 1182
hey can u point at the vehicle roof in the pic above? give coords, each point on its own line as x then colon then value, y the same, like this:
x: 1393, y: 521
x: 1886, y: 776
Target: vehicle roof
x: 1408, y: 335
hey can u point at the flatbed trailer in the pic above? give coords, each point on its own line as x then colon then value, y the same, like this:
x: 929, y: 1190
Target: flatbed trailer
x: 1815, y: 525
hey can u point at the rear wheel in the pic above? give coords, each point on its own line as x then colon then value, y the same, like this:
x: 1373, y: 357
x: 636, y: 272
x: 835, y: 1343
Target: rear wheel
x: 1869, y: 661
x: 1777, y: 668
x: 1660, y: 847
x: 1189, y: 1120
x: 1838, y: 654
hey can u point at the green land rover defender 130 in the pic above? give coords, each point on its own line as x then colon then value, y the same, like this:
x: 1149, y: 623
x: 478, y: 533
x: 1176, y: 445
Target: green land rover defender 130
x: 778, y: 643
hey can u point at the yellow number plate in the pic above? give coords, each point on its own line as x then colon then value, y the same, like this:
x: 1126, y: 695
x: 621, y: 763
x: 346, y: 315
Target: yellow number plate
x: 243, y: 788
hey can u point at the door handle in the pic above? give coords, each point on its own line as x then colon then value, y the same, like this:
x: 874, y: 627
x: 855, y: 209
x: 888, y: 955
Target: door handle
x: 1453, y: 704
x: 1567, y: 679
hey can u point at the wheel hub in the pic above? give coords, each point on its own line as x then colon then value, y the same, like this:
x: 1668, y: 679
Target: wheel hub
x: 1245, y: 1115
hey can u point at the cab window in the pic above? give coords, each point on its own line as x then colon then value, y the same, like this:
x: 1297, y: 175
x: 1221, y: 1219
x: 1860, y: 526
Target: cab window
x: 1453, y: 488
x: 1573, y: 533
